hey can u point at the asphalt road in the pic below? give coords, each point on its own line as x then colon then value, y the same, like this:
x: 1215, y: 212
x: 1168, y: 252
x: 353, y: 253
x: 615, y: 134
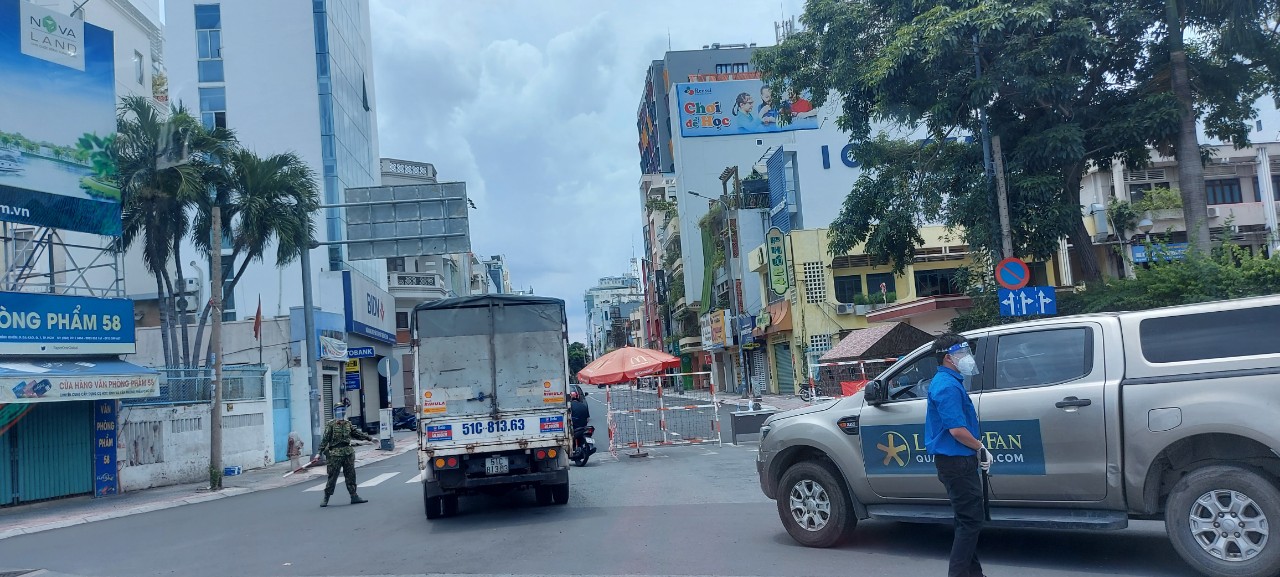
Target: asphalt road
x: 692, y: 510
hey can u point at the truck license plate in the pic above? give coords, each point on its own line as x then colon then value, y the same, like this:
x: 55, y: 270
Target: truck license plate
x: 496, y: 466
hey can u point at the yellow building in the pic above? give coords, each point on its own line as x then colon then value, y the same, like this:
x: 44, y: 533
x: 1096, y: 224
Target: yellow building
x: 826, y: 297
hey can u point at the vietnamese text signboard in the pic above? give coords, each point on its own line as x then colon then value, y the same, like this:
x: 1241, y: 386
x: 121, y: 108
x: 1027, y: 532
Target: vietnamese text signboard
x: 776, y: 256
x: 43, y: 324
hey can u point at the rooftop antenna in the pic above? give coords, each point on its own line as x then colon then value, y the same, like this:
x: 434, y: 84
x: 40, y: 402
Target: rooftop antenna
x: 668, y: 40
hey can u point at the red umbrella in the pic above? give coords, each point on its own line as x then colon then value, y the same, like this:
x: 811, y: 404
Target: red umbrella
x: 625, y: 364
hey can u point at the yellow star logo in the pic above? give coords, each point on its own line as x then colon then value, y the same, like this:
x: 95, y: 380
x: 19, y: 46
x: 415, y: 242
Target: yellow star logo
x: 892, y: 450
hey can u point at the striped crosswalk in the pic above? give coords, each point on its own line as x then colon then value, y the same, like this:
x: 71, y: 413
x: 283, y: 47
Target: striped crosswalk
x: 374, y: 482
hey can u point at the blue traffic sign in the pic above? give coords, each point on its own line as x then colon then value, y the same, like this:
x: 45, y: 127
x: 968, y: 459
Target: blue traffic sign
x: 1012, y: 273
x: 1032, y: 300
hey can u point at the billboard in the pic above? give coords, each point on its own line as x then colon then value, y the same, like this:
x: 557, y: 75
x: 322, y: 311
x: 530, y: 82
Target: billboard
x: 739, y: 107
x: 44, y: 324
x: 58, y: 122
x: 75, y: 380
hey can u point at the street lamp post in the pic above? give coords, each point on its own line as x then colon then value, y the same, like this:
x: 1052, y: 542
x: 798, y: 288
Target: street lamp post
x: 734, y: 309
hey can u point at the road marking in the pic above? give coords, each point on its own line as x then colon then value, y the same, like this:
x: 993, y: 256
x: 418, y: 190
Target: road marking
x: 319, y: 487
x: 379, y: 479
x: 418, y: 478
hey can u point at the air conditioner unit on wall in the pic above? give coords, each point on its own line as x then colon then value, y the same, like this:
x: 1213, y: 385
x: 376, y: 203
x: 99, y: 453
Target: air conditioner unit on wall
x: 186, y: 304
x: 844, y: 309
x: 1214, y: 212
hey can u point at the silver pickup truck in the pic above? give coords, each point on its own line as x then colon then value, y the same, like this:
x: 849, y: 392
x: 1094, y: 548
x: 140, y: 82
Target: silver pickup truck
x: 1167, y: 414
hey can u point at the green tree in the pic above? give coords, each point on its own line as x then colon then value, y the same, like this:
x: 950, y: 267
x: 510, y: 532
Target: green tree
x: 162, y: 160
x: 1064, y: 84
x: 1221, y: 56
x: 265, y: 202
x: 577, y: 359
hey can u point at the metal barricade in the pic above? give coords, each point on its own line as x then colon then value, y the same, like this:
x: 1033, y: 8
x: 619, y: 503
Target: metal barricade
x: 833, y: 380
x: 663, y: 410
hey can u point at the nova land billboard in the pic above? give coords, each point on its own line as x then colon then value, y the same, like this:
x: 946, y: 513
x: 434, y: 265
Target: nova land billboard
x: 57, y: 121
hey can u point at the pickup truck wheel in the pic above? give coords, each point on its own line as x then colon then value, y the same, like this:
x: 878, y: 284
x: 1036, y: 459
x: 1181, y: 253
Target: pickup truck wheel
x: 1218, y: 519
x: 813, y: 505
x: 560, y: 494
x: 435, y: 507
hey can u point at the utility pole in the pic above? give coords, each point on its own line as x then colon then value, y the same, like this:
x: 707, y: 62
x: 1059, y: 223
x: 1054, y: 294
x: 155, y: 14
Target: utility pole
x: 215, y: 341
x: 309, y: 325
x: 1002, y: 199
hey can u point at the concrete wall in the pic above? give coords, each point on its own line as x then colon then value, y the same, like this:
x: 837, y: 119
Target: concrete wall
x: 169, y: 445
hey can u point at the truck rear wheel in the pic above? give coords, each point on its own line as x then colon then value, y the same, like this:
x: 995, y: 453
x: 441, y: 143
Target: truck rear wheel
x: 1218, y: 519
x: 543, y: 494
x: 560, y: 494
x: 435, y: 507
x: 814, y: 506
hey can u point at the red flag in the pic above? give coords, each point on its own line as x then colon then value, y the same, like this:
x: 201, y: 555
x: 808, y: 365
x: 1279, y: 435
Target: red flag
x: 257, y: 321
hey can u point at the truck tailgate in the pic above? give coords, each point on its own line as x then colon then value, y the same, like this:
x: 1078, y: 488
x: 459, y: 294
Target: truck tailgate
x: 541, y: 428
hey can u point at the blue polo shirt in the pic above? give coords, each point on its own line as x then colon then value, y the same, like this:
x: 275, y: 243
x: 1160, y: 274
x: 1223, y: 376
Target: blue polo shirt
x: 949, y: 408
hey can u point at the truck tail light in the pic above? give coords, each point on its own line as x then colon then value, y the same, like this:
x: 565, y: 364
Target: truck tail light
x: 544, y: 454
x: 446, y: 463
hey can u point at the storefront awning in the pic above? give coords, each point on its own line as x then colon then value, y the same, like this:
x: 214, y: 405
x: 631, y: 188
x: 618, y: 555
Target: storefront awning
x: 775, y: 318
x: 75, y: 379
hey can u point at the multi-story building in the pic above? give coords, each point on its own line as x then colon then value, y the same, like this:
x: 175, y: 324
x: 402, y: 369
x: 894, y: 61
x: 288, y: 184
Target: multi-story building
x: 499, y: 276
x: 815, y: 299
x: 707, y: 126
x: 1241, y: 186
x: 313, y: 96
x: 608, y: 303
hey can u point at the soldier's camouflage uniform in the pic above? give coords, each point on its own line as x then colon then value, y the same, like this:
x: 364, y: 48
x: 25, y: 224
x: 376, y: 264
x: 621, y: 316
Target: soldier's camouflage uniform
x: 341, y: 456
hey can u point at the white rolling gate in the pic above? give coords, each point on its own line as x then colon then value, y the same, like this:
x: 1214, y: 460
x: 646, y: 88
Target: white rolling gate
x: 663, y: 410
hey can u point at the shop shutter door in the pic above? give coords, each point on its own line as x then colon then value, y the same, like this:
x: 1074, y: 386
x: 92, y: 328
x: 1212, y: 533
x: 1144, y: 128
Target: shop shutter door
x: 55, y: 450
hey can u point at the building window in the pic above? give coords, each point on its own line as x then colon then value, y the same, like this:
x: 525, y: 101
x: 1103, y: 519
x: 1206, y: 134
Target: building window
x: 1137, y: 191
x: 874, y: 282
x: 213, y: 107
x: 228, y: 297
x: 1039, y: 273
x: 395, y: 264
x: 402, y: 320
x: 137, y: 68
x: 1224, y: 191
x: 848, y: 287
x: 734, y: 68
x: 1275, y: 187
x: 819, y: 344
x: 815, y: 286
x: 932, y: 283
x: 209, y: 42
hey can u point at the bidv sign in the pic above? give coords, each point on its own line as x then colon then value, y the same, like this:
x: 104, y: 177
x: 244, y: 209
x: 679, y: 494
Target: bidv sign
x: 366, y: 310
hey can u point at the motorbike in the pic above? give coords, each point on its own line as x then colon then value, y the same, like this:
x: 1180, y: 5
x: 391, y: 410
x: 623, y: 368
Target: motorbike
x: 584, y: 445
x: 404, y: 419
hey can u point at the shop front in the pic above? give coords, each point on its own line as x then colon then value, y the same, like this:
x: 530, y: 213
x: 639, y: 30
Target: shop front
x: 61, y: 381
x: 774, y: 328
x: 369, y: 370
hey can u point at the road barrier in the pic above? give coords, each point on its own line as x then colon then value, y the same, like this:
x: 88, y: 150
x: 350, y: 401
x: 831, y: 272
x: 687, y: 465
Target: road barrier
x: 663, y: 410
x: 842, y: 378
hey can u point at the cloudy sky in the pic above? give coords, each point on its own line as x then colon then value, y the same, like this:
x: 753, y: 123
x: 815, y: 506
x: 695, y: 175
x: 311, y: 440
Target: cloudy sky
x: 533, y: 104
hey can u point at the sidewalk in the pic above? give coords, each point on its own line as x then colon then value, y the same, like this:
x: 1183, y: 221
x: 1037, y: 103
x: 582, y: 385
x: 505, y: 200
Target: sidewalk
x: 59, y: 513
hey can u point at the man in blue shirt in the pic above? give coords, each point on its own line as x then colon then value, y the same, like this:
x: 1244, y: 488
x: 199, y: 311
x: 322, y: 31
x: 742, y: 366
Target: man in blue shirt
x: 951, y: 436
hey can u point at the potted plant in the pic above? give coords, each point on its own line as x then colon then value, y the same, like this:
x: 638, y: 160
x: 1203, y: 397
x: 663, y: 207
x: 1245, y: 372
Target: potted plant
x: 861, y: 304
x: 882, y: 300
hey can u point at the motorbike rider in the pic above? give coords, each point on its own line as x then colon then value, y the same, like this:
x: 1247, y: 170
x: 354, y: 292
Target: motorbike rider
x: 579, y: 414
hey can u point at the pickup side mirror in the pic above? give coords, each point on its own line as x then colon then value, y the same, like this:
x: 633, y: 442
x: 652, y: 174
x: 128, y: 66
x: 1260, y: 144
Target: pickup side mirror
x: 875, y: 393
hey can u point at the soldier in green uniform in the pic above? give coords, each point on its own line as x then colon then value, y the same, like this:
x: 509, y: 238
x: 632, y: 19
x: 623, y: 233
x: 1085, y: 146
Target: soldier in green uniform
x: 341, y: 456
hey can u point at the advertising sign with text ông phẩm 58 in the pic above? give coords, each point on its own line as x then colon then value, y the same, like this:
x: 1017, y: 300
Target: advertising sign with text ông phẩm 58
x: 58, y: 122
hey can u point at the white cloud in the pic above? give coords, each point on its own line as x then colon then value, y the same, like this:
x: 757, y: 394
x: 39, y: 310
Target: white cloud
x: 533, y: 105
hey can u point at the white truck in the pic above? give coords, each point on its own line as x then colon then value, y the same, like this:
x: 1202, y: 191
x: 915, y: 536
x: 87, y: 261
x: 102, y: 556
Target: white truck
x: 490, y: 377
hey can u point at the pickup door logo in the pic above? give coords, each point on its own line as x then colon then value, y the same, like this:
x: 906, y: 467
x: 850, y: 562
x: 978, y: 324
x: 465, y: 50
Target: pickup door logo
x: 899, y: 449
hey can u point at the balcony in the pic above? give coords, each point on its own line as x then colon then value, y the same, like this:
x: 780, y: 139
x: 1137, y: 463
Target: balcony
x: 677, y: 266
x: 417, y: 286
x: 690, y: 344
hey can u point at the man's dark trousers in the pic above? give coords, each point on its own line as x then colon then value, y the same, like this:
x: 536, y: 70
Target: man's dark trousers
x: 960, y: 476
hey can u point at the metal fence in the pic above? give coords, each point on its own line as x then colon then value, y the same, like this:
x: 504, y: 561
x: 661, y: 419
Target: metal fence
x: 185, y: 386
x: 660, y: 410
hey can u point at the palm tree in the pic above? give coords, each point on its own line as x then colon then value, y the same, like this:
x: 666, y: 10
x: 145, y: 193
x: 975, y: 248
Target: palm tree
x: 162, y: 166
x: 264, y: 201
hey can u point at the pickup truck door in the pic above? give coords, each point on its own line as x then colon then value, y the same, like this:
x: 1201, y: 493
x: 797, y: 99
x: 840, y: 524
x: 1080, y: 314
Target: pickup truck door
x: 892, y: 434
x: 1042, y: 414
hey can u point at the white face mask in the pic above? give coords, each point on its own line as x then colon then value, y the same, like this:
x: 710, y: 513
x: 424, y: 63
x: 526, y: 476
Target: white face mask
x: 966, y: 364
